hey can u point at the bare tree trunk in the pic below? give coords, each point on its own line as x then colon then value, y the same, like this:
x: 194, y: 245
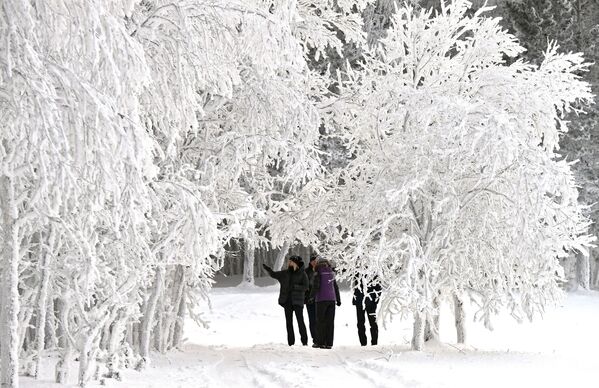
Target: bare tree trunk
x: 593, y: 259
x: 239, y: 261
x: 431, y: 328
x: 583, y: 271
x: 51, y: 326
x: 116, y: 336
x: 159, y: 326
x: 135, y: 335
x: 262, y: 254
x: 460, y: 319
x: 175, y: 320
x: 179, y: 324
x: 62, y: 366
x: 42, y: 304
x: 418, y: 332
x: 231, y: 269
x: 9, y: 292
x: 428, y: 330
x: 85, y: 358
x: 117, y: 332
x: 248, y: 263
x: 168, y: 322
x: 129, y: 335
x: 90, y: 345
x: 105, y: 336
x: 281, y: 256
x: 148, y: 320
x: 87, y: 355
x: 25, y: 315
x: 108, y: 329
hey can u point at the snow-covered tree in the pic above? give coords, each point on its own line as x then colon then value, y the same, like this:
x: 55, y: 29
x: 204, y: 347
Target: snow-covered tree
x: 455, y: 188
x: 574, y: 25
x: 141, y: 136
x: 67, y: 75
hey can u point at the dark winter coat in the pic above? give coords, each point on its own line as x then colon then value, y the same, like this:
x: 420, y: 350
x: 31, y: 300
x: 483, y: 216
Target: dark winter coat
x: 294, y: 284
x: 310, y: 274
x: 324, y: 286
x: 373, y: 292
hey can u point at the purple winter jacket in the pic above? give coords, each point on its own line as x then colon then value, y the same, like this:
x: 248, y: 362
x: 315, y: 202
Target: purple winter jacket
x: 325, y: 286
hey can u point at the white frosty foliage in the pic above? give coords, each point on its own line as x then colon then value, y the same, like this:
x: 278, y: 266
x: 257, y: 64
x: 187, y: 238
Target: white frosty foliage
x: 455, y: 169
x: 322, y: 24
x: 140, y: 136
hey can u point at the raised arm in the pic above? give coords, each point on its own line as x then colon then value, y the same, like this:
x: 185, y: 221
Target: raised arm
x: 273, y: 274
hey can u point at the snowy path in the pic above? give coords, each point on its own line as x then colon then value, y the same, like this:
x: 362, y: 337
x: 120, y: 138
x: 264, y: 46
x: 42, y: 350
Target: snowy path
x: 278, y: 366
x: 245, y: 346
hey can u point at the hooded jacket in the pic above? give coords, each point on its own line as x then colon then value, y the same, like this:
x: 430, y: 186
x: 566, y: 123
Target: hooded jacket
x: 324, y: 287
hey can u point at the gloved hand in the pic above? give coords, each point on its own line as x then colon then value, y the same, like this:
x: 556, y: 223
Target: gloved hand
x: 338, y: 303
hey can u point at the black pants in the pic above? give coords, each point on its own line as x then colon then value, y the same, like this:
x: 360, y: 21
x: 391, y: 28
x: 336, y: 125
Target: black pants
x: 312, y: 319
x: 325, y: 323
x: 370, y: 312
x: 299, y: 315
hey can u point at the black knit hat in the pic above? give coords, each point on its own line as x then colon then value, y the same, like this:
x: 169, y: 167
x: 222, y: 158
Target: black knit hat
x: 314, y: 256
x: 297, y: 260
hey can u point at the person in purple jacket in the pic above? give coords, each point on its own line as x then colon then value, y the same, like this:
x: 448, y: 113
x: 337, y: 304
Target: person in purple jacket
x: 326, y: 294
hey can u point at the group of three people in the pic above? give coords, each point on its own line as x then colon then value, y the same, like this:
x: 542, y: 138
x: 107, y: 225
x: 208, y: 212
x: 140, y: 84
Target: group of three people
x: 316, y: 287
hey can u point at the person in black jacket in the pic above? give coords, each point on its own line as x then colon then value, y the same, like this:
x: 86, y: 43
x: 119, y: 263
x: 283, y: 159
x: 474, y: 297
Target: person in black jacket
x: 310, y: 305
x: 294, y: 284
x: 366, y: 304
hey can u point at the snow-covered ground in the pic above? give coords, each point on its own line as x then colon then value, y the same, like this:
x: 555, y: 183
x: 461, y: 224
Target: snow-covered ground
x: 245, y: 346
